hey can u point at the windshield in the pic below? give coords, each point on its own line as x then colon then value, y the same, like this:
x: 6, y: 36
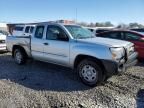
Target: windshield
x: 78, y: 32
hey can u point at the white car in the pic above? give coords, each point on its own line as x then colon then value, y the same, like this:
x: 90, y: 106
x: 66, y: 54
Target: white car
x: 2, y: 42
x: 23, y: 30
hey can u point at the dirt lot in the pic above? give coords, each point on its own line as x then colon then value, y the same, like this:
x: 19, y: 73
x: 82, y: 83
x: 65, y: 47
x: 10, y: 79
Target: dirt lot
x: 42, y: 85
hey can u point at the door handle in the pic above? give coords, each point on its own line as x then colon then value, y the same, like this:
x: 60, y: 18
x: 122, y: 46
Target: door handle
x: 45, y: 43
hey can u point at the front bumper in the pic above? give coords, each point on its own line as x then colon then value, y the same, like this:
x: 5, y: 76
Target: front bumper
x: 2, y: 47
x: 112, y: 67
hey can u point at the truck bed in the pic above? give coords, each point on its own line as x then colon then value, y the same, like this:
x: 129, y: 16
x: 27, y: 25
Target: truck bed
x: 23, y: 41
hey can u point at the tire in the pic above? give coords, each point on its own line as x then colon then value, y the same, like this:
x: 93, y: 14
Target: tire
x: 90, y: 72
x: 19, y: 56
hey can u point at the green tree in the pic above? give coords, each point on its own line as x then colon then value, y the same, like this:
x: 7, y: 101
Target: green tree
x: 108, y: 24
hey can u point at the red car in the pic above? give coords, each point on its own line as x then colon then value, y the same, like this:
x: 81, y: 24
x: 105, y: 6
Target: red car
x: 132, y: 36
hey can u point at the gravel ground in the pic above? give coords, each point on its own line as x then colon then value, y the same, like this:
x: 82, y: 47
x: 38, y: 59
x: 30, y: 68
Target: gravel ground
x: 43, y: 85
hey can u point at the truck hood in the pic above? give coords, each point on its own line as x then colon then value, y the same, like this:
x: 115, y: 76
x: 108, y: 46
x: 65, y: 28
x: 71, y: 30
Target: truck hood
x: 105, y: 41
x: 2, y: 37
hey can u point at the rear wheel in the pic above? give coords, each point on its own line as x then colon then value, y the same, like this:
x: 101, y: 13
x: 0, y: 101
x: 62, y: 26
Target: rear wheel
x: 19, y: 56
x: 90, y: 72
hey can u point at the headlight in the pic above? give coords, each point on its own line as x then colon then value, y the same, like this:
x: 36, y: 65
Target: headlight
x: 130, y: 50
x: 117, y: 53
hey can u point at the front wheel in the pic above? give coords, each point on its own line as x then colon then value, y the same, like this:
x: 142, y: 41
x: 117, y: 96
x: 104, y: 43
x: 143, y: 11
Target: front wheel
x: 19, y: 56
x: 90, y: 72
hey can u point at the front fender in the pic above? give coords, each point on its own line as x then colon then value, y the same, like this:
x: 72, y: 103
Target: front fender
x: 96, y: 51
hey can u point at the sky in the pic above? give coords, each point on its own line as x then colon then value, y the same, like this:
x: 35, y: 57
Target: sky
x: 116, y: 11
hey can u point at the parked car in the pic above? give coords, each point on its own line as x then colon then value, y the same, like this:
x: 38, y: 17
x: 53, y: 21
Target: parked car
x: 132, y: 36
x: 72, y: 46
x: 23, y: 30
x: 2, y: 41
x: 141, y: 30
x: 101, y: 30
x: 96, y: 30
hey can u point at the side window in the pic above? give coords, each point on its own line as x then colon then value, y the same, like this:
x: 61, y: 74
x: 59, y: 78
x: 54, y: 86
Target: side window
x: 39, y: 32
x: 27, y: 29
x: 56, y: 33
x: 114, y: 35
x: 131, y: 36
x: 101, y: 34
x: 18, y: 28
x: 31, y: 29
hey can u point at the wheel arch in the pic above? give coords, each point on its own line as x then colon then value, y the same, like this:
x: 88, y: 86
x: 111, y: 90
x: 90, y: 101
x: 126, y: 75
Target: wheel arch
x: 18, y: 47
x: 81, y: 57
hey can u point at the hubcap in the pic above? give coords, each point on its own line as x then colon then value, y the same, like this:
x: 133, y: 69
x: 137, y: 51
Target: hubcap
x: 18, y: 57
x: 89, y: 73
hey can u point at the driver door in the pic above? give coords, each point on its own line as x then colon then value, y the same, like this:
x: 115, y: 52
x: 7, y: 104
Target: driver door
x: 56, y: 45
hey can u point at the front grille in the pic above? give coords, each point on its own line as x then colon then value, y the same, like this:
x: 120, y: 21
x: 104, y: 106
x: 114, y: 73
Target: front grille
x: 2, y: 41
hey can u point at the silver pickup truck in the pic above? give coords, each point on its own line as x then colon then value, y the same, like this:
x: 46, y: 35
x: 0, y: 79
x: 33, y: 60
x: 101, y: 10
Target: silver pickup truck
x: 93, y: 58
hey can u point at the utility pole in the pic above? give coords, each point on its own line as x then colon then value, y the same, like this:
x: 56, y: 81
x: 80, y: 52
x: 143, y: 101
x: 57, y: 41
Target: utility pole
x: 76, y: 16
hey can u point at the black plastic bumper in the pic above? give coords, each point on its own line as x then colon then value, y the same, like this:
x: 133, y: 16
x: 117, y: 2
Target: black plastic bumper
x: 112, y: 67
